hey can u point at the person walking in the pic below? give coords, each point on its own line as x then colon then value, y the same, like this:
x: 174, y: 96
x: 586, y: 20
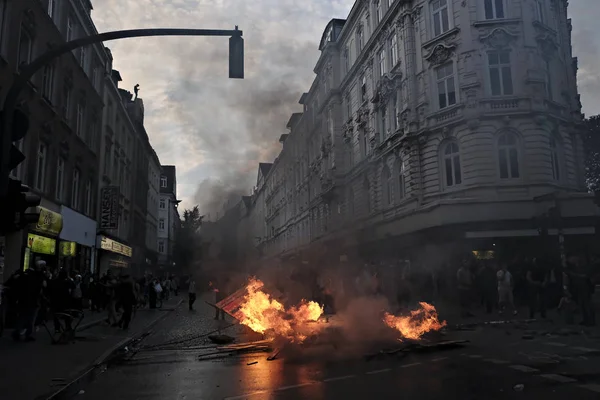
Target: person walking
x: 464, y: 278
x: 29, y: 287
x: 126, y: 295
x: 537, y: 280
x: 191, y: 294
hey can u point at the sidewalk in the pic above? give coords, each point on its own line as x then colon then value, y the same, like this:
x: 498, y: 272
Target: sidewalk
x: 35, y: 369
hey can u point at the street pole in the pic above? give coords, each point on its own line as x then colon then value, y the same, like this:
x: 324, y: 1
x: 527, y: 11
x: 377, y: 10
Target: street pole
x: 27, y: 72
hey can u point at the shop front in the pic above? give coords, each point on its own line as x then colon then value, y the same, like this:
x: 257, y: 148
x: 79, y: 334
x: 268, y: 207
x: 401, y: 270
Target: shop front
x: 77, y: 242
x: 41, y: 239
x: 112, y: 255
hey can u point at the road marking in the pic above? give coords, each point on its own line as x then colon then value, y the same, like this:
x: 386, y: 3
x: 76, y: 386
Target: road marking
x: 379, y: 371
x: 410, y: 365
x: 558, y: 378
x: 475, y: 356
x: 585, y: 349
x: 244, y: 396
x: 524, y: 368
x: 495, y: 361
x: 294, y: 386
x: 594, y: 387
x: 439, y: 359
x: 556, y: 344
x: 339, y: 378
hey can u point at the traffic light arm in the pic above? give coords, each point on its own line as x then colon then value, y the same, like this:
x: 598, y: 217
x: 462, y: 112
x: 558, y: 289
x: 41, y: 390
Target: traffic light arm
x: 27, y: 72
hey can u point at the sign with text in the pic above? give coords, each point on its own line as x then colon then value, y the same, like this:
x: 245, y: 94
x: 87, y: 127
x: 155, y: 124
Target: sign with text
x: 41, y: 244
x: 109, y: 207
x: 49, y: 222
x: 67, y: 249
x: 115, y: 247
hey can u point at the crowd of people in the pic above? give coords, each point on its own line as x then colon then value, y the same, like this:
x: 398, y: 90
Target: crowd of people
x: 38, y: 295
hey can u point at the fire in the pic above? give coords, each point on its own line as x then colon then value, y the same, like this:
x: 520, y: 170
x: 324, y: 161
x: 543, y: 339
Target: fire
x: 415, y: 325
x: 263, y: 314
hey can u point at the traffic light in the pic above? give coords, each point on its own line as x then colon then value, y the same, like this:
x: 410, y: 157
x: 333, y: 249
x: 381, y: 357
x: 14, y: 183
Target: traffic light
x: 20, y: 126
x: 236, y: 55
x: 13, y: 215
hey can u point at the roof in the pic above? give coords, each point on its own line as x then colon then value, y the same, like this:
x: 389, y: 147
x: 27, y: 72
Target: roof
x: 265, y: 168
x: 330, y: 24
x: 283, y: 137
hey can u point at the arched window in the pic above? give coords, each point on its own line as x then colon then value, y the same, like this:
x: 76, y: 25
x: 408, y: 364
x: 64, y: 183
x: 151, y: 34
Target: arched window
x: 401, y: 169
x: 554, y: 158
x: 387, y: 183
x: 451, y: 164
x: 508, y: 156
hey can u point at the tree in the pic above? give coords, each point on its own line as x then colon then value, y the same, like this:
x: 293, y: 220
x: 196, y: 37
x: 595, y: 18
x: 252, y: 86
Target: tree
x: 591, y: 144
x: 188, y: 243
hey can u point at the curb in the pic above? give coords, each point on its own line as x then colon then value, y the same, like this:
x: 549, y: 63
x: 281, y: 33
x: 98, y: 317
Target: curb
x: 85, y: 378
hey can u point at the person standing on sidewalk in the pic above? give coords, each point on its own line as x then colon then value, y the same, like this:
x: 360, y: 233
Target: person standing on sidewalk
x: 29, y: 291
x: 505, y: 289
x: 191, y: 294
x: 537, y: 280
x: 126, y: 294
x: 464, y: 279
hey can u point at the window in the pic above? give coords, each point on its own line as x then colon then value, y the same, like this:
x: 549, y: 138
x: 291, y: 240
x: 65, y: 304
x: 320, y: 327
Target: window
x: 494, y: 9
x: 539, y: 11
x: 367, y: 194
x: 48, y: 82
x: 25, y: 47
x: 508, y: 156
x: 79, y: 119
x: 401, y: 179
x: 348, y: 107
x: 163, y: 181
x: 554, y: 159
x: 161, y: 224
x: 75, y: 190
x: 441, y: 20
x: 382, y: 122
x: 95, y: 76
x: 548, y: 80
x: 70, y: 31
x: 446, y: 86
x: 60, y: 179
x: 161, y: 246
x: 162, y: 203
x: 382, y: 62
x: 66, y: 107
x: 500, y: 73
x: 359, y: 41
x: 387, y: 182
x: 40, y: 172
x: 364, y: 147
x: 377, y: 11
x: 82, y: 57
x: 51, y: 8
x: 451, y: 159
x: 363, y: 88
x: 393, y: 50
x: 107, y: 159
x: 346, y: 61
x: 88, y: 198
x: 17, y: 172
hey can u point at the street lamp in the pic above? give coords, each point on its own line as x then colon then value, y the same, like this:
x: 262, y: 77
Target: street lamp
x: 236, y: 71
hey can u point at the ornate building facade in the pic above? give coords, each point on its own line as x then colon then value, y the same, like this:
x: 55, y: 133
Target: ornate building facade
x: 442, y: 121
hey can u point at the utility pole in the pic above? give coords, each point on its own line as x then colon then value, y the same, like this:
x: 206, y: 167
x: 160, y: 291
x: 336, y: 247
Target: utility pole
x: 7, y: 149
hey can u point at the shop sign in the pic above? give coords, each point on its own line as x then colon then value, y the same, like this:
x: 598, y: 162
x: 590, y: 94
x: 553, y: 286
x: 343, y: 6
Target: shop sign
x: 40, y: 244
x: 49, y: 222
x: 115, y: 247
x: 67, y: 249
x: 109, y: 207
x: 484, y: 254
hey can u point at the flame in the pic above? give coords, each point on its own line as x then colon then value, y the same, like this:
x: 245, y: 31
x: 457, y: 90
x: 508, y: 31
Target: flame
x: 263, y: 314
x: 415, y: 325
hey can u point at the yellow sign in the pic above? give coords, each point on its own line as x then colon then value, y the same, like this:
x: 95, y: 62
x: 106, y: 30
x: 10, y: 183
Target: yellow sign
x: 50, y: 223
x: 115, y: 247
x: 68, y: 249
x: 26, y: 259
x: 41, y: 245
x: 484, y: 255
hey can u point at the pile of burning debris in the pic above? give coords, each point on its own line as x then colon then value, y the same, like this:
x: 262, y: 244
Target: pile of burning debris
x: 303, y: 325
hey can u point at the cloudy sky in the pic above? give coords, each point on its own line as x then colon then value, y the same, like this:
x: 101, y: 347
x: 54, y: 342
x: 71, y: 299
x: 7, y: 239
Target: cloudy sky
x: 217, y: 130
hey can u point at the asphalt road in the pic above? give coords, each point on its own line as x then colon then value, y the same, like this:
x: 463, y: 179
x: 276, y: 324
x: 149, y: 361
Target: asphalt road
x: 494, y: 365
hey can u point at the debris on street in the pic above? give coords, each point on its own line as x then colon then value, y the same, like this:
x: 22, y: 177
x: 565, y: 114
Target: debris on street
x: 252, y: 363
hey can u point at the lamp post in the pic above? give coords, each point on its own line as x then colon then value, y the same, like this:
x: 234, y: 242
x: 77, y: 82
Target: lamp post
x: 236, y: 70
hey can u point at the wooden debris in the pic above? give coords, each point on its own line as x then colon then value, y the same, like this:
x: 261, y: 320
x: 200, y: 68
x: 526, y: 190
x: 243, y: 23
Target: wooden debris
x: 252, y: 363
x: 274, y: 355
x: 221, y: 339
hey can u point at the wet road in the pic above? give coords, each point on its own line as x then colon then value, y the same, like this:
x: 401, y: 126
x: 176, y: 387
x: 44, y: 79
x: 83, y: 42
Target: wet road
x: 490, y: 367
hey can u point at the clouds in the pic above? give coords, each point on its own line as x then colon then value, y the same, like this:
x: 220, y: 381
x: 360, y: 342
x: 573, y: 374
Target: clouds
x: 217, y: 130
x: 214, y: 129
